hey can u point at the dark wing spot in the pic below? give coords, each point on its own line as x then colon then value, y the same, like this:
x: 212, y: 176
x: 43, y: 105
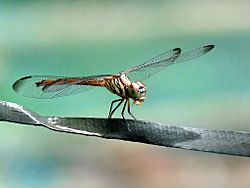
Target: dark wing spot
x: 209, y: 47
x: 26, y: 77
x: 177, y: 49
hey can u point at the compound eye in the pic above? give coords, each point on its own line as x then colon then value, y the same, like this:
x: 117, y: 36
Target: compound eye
x: 142, y: 90
x: 132, y: 92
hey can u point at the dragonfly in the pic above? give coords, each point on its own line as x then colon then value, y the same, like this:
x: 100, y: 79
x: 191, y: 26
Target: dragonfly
x: 126, y: 84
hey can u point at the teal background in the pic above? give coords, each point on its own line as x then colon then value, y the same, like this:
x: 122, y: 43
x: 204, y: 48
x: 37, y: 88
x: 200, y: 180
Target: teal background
x: 76, y: 38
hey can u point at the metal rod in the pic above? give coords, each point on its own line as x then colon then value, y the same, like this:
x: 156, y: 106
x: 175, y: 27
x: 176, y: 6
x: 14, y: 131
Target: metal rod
x: 199, y: 139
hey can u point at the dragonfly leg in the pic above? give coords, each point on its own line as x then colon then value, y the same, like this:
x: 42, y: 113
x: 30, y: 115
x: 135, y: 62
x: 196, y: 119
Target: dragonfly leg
x: 111, y: 112
x: 111, y: 106
x: 130, y: 111
x: 123, y: 109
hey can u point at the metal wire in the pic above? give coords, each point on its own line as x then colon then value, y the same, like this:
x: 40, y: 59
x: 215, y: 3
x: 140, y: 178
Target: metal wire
x: 199, y: 139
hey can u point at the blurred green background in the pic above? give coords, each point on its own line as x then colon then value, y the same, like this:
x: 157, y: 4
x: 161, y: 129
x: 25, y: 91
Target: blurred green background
x: 75, y: 38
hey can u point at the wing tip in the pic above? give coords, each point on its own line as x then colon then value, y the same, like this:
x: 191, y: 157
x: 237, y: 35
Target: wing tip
x: 16, y: 85
x: 209, y: 47
x: 177, y: 50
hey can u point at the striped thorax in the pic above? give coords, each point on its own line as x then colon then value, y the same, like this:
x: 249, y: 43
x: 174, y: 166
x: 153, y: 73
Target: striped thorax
x: 123, y: 87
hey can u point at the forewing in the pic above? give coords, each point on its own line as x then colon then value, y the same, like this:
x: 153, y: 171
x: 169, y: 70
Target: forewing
x: 193, y: 54
x: 48, y: 87
x: 152, y: 66
x: 160, y: 62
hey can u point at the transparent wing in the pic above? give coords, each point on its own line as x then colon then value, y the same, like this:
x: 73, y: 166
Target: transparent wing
x: 158, y: 63
x: 193, y: 54
x: 152, y: 66
x: 48, y: 87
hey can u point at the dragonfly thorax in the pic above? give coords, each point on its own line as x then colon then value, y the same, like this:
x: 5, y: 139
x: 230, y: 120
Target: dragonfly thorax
x: 122, y: 86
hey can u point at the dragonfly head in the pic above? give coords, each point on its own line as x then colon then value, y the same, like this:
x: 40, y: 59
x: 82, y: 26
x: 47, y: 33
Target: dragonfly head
x: 137, y: 91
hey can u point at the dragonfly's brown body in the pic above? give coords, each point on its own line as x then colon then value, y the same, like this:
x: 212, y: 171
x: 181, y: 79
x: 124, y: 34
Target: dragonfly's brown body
x: 116, y: 84
x: 123, y: 84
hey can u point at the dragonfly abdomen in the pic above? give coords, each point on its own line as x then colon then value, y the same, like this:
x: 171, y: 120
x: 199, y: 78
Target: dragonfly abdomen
x: 92, y: 82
